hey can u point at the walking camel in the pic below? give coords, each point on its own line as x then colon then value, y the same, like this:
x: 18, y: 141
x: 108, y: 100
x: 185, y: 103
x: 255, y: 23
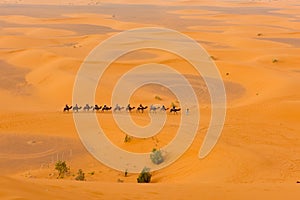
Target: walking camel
x: 175, y: 110
x: 163, y: 108
x: 67, y: 108
x: 141, y: 108
x: 76, y: 108
x: 153, y: 108
x: 87, y: 107
x: 129, y: 108
x: 118, y: 108
x: 106, y: 108
x: 97, y: 108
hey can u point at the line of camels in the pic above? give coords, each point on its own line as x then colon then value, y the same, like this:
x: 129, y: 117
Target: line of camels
x: 119, y: 108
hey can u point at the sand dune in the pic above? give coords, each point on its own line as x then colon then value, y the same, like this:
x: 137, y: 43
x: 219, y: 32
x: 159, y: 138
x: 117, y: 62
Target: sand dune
x: 255, y: 45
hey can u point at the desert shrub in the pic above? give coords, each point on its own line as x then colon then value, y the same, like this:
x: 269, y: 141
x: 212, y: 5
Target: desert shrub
x: 213, y: 57
x: 62, y: 168
x: 173, y: 104
x: 92, y: 173
x: 156, y: 156
x: 158, y: 98
x: 120, y: 180
x: 80, y: 176
x: 144, y: 176
x: 275, y: 61
x: 127, y: 138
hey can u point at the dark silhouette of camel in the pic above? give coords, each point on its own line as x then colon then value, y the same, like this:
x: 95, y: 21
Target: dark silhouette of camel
x: 175, y: 110
x: 129, y: 108
x: 153, y: 108
x: 76, y: 108
x: 97, y: 108
x: 163, y: 108
x: 67, y: 108
x: 141, y: 108
x: 118, y: 108
x: 106, y: 108
x: 87, y: 107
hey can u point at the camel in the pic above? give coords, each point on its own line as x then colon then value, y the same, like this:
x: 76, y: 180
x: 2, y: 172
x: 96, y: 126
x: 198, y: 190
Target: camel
x: 141, y: 108
x: 76, y: 108
x: 128, y: 108
x: 163, y: 108
x: 118, y: 108
x: 175, y: 110
x: 106, y: 108
x: 87, y: 107
x: 97, y: 108
x: 67, y: 108
x: 153, y: 108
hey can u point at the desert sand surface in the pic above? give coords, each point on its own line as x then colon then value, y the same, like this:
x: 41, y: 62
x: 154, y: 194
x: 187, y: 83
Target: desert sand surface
x: 256, y: 47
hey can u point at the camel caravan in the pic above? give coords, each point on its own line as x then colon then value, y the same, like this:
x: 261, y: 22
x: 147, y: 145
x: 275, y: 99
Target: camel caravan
x: 118, y: 108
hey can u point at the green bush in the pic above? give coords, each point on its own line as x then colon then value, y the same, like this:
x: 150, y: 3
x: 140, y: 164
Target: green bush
x: 156, y: 156
x: 80, y: 176
x: 62, y: 168
x: 144, y: 176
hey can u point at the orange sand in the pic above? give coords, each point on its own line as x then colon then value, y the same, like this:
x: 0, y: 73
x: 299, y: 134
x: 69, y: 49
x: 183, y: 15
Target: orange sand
x: 257, y: 156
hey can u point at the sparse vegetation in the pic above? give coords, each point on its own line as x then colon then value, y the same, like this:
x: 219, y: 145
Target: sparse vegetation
x: 80, y: 176
x: 62, y: 168
x: 120, y: 180
x: 213, y: 58
x: 173, y: 104
x: 127, y: 138
x: 176, y: 103
x: 275, y: 61
x: 156, y: 156
x: 92, y: 173
x: 144, y: 176
x: 126, y: 173
x: 259, y: 34
x: 158, y: 98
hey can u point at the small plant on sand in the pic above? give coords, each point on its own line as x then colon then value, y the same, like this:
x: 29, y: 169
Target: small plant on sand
x: 275, y: 61
x: 144, y: 176
x: 62, y: 168
x: 80, y: 176
x: 92, y: 173
x: 156, y: 156
x: 213, y: 58
x: 158, y: 98
x: 127, y: 138
x: 173, y: 104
